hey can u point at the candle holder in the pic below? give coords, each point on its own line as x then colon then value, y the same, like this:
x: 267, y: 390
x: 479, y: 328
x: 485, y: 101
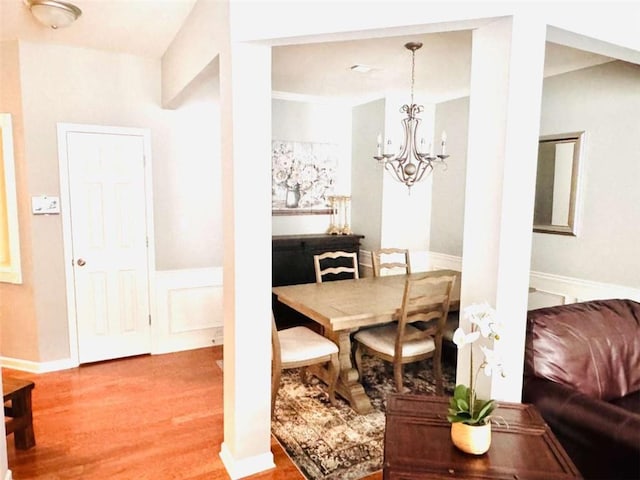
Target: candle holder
x: 334, y: 229
x: 346, y: 212
x: 340, y: 215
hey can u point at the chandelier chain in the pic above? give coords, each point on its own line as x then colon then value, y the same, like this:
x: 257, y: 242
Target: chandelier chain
x: 413, y: 72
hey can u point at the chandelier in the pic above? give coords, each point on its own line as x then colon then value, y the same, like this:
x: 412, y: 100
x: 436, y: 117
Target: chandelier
x: 410, y: 164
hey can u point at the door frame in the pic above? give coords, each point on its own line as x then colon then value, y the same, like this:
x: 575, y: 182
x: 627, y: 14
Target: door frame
x: 65, y: 211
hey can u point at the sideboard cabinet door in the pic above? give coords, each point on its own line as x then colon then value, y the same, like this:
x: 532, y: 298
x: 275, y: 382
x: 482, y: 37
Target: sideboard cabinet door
x: 292, y: 255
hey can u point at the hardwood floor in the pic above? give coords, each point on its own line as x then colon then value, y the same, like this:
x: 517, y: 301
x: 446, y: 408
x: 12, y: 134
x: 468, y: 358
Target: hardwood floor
x: 155, y: 417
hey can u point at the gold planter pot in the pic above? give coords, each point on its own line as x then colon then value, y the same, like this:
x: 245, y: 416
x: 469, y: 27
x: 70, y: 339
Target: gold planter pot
x: 474, y: 439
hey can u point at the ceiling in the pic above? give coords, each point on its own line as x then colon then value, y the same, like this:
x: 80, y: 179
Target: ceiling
x: 139, y: 27
x: 147, y: 27
x: 442, y: 71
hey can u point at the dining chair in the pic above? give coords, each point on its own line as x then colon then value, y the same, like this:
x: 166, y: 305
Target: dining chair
x: 388, y: 258
x: 426, y: 300
x: 300, y: 347
x: 324, y: 267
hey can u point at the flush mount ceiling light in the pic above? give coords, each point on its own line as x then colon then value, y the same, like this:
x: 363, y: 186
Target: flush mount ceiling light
x: 53, y: 13
x: 361, y: 68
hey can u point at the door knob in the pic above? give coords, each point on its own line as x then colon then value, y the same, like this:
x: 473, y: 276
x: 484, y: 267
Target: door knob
x: 81, y: 262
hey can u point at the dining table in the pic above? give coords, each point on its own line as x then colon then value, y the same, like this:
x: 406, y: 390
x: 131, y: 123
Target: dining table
x: 342, y: 307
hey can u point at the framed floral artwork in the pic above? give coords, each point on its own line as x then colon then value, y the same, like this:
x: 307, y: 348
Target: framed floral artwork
x: 303, y: 177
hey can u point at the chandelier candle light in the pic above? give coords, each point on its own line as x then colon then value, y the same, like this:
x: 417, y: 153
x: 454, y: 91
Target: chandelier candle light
x: 411, y: 164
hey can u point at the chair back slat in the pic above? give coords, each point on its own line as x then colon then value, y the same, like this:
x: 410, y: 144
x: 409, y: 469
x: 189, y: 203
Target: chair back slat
x: 390, y: 259
x: 350, y: 266
x: 417, y: 334
x: 425, y: 299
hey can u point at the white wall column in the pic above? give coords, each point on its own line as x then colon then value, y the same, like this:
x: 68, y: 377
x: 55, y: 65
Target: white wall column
x: 504, y: 120
x: 245, y: 84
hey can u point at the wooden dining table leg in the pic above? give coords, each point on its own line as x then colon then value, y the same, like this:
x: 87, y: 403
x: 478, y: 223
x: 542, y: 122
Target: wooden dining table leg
x: 349, y: 386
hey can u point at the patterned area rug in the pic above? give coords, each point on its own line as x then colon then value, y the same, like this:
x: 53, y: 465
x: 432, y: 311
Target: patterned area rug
x: 336, y: 443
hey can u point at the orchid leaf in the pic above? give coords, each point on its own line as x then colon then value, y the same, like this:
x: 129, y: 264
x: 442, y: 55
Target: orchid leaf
x: 486, y: 409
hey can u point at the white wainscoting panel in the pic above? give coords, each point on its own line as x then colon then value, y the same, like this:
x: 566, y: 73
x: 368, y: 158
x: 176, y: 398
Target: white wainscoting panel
x: 189, y: 310
x: 421, y: 261
x: 548, y: 289
x: 578, y: 290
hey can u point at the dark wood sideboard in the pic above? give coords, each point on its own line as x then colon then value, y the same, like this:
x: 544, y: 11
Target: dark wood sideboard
x: 292, y: 264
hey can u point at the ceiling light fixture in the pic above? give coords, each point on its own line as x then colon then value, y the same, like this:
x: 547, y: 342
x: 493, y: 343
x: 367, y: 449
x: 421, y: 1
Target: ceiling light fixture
x: 410, y: 165
x: 52, y: 13
x: 361, y: 68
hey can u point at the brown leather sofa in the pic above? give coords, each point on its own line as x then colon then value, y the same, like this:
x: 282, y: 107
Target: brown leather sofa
x: 582, y: 371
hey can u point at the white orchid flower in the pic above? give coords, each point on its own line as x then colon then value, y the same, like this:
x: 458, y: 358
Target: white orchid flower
x: 492, y: 362
x: 461, y: 339
x: 484, y: 316
x: 477, y: 310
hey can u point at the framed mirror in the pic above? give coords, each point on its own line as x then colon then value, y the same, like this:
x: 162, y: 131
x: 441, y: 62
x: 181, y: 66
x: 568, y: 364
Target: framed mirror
x: 555, y: 209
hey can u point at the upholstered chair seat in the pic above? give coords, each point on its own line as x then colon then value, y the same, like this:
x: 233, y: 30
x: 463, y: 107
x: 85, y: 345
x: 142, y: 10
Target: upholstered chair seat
x: 299, y: 344
x: 383, y: 340
x: 301, y: 347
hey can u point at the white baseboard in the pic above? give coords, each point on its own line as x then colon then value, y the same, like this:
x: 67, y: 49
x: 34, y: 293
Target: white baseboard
x: 246, y: 466
x: 188, y: 315
x: 8, y: 475
x: 37, y: 367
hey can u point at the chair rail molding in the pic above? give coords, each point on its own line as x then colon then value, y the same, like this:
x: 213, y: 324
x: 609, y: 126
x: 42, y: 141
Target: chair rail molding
x: 557, y: 287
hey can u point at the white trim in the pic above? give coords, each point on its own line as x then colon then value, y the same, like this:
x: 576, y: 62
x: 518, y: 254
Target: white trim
x: 301, y: 97
x: 8, y: 475
x: 63, y: 130
x: 439, y: 261
x: 37, y: 367
x: 578, y: 290
x: 570, y: 288
x: 246, y: 466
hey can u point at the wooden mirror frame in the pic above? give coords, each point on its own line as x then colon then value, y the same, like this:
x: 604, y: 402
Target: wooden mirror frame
x: 10, y: 269
x: 575, y: 138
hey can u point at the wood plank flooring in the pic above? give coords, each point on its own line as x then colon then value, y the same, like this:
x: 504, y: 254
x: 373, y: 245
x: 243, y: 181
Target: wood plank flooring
x: 153, y: 417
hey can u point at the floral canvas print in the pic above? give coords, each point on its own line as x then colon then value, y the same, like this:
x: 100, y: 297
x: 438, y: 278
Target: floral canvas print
x: 303, y: 176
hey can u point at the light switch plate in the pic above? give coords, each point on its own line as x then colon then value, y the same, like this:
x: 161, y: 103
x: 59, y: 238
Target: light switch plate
x: 45, y: 205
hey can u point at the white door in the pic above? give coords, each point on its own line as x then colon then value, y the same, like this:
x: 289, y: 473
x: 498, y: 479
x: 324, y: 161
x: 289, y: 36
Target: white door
x: 107, y: 207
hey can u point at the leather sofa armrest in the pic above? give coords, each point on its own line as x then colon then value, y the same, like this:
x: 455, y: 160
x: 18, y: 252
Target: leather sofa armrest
x: 575, y: 415
x: 589, y: 429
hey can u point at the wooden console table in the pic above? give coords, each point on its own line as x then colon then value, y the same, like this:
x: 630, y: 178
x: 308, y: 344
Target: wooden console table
x: 17, y: 394
x: 418, y: 445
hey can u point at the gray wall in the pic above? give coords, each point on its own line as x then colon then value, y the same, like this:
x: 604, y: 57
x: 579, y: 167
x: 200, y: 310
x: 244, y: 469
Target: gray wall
x: 310, y: 121
x: 604, y: 101
x: 188, y: 188
x: 447, y: 209
x: 368, y: 122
